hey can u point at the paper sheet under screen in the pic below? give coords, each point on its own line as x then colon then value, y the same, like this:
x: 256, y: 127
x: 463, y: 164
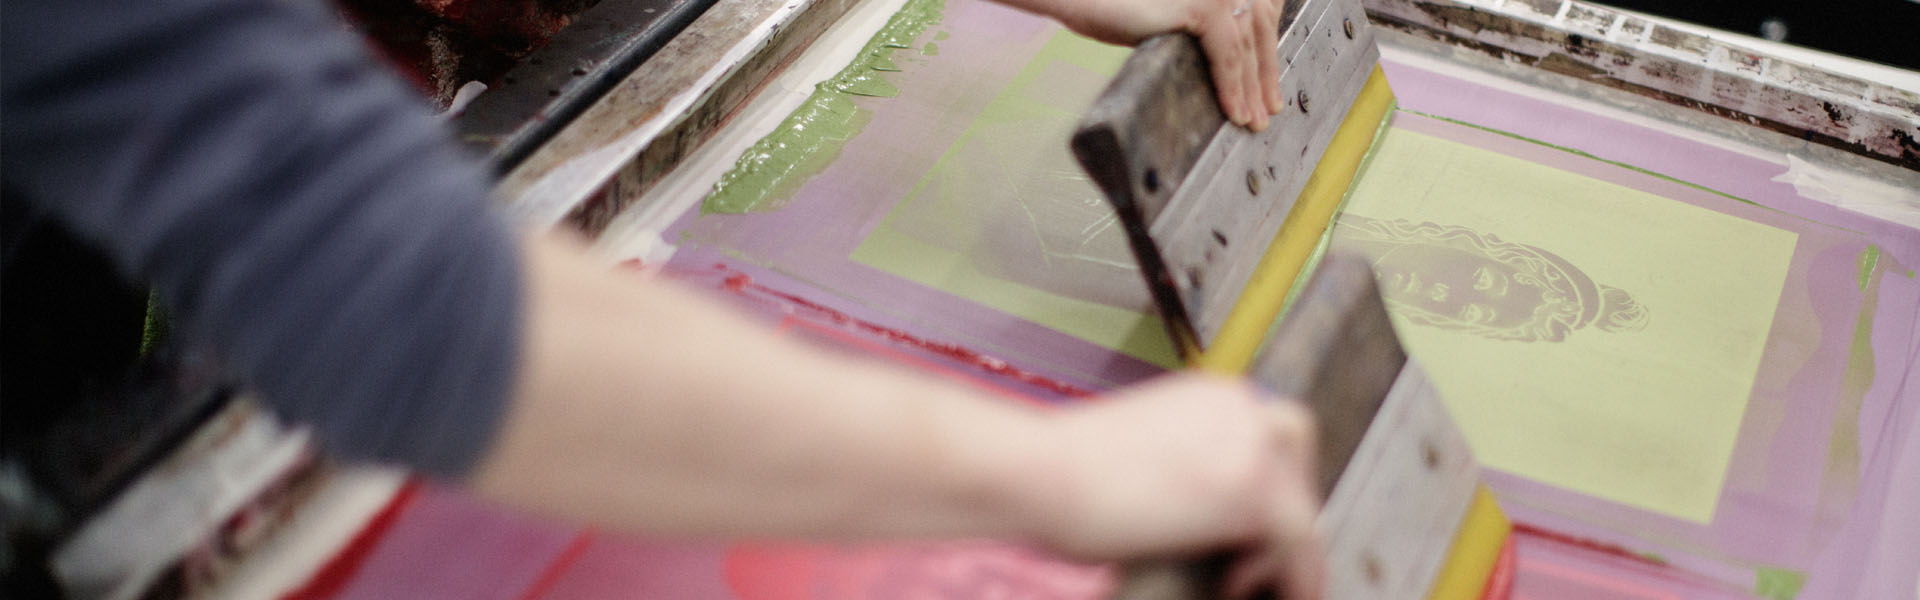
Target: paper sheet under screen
x: 1584, y: 333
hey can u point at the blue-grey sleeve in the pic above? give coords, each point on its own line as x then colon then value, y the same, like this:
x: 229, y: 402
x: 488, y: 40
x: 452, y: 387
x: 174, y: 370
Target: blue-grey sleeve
x: 292, y: 202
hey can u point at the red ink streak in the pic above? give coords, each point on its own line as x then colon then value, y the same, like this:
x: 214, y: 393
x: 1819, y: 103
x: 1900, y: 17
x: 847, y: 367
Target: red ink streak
x: 1645, y: 564
x: 741, y: 283
x: 1500, y: 582
x: 788, y: 323
x: 1608, y: 586
x: 333, y: 577
x: 1613, y: 550
x: 551, y: 576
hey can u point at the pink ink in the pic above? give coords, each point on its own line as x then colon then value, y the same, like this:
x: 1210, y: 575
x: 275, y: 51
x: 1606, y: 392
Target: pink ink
x: 333, y: 577
x: 741, y: 283
x: 551, y: 576
x: 1500, y: 582
x: 1614, y: 550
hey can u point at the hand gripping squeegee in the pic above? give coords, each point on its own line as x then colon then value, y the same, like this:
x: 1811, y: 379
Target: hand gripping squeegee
x: 1224, y: 222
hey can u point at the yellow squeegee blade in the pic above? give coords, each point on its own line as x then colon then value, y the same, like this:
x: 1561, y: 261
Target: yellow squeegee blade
x: 1246, y: 325
x: 1475, y: 552
x: 1484, y: 529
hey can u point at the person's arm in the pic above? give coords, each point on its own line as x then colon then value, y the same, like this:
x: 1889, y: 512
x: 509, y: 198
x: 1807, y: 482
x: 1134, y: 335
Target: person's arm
x: 292, y: 203
x: 299, y: 215
x: 1240, y: 37
x: 647, y: 408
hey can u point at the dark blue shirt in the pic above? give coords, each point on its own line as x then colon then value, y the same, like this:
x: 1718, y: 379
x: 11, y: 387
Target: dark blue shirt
x: 292, y: 202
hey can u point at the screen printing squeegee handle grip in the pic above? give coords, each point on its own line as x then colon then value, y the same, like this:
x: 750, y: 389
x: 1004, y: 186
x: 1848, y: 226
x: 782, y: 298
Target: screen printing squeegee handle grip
x: 1139, y: 140
x: 1336, y: 352
x: 1150, y: 125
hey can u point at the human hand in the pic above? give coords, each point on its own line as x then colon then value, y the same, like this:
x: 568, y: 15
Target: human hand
x: 1240, y: 37
x: 1188, y: 464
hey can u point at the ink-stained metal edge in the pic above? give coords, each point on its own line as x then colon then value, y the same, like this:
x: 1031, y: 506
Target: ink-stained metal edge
x: 1644, y: 56
x: 543, y: 93
x: 603, y: 161
x: 241, y: 465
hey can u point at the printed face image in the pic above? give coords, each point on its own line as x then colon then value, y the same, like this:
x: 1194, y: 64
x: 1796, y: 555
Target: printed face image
x: 1460, y: 279
x: 1449, y: 283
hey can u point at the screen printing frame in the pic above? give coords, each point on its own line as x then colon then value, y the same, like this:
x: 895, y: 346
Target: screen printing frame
x: 603, y: 164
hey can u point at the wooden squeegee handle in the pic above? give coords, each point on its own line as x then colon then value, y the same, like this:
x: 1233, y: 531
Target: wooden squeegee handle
x: 1149, y: 126
x: 1137, y: 143
x: 1336, y: 352
x: 1142, y: 136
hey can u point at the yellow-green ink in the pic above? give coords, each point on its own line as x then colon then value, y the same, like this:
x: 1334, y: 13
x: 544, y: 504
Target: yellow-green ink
x: 1869, y: 258
x: 1326, y: 237
x: 769, y: 172
x: 931, y: 49
x: 1582, y: 154
x: 156, y: 327
x: 1778, y: 584
x: 1669, y: 433
x: 1004, y: 217
x: 1842, y: 478
x: 884, y: 64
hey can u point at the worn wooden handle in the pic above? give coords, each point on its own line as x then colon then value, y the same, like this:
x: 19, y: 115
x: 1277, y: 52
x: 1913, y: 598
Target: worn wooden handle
x: 1336, y: 353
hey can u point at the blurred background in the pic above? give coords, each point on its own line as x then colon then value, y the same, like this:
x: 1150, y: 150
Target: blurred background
x: 1882, y: 31
x: 443, y: 44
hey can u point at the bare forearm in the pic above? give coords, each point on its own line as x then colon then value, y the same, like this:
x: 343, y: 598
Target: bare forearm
x: 644, y: 407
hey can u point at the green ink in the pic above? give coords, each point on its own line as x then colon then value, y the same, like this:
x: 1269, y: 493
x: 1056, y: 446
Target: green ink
x: 1326, y: 236
x: 1869, y: 258
x: 1007, y: 182
x: 1778, y: 584
x: 941, y: 36
x: 767, y: 173
x: 931, y: 49
x: 156, y: 327
x: 1843, y: 443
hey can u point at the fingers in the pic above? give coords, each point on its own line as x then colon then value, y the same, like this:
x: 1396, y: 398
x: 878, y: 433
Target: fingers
x: 1291, y: 566
x: 1241, y: 39
x: 1250, y: 68
x: 1300, y: 562
x: 1289, y: 560
x: 1228, y: 53
x: 1267, y: 45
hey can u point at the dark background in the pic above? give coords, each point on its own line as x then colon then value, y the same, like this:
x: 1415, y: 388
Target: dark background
x: 1882, y: 31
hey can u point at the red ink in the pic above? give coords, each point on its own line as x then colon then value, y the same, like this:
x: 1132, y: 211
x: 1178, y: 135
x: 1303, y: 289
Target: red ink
x: 742, y: 283
x: 1500, y: 582
x: 738, y: 283
x: 879, y: 349
x: 333, y: 577
x: 551, y: 576
x: 1614, y: 550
